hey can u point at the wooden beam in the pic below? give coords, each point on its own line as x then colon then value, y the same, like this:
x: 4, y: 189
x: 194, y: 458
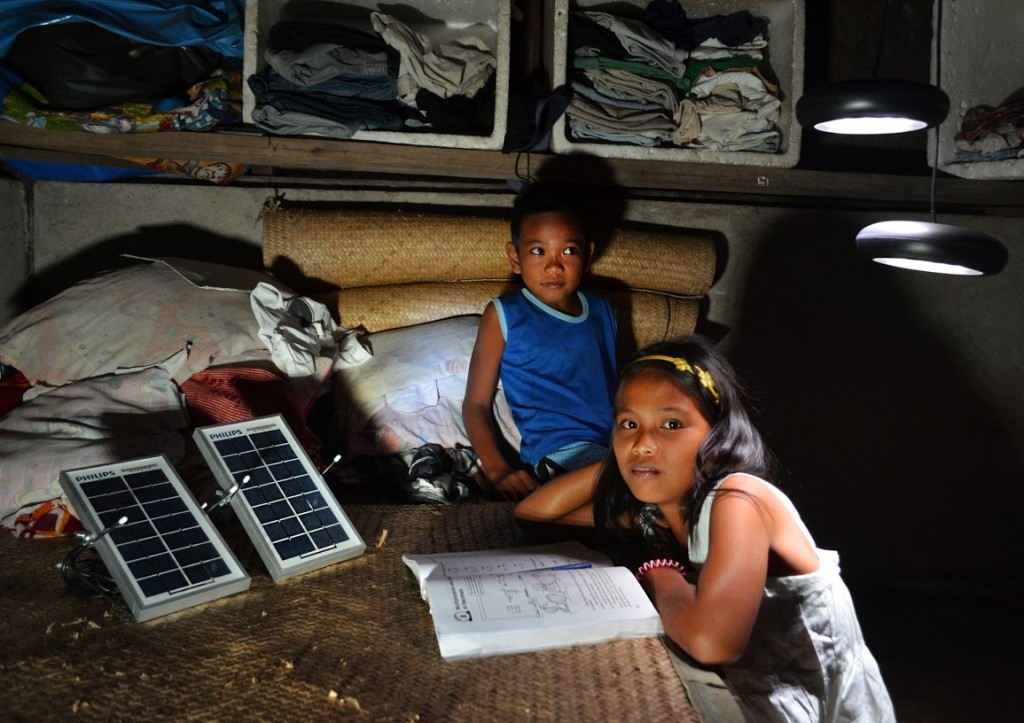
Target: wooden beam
x: 52, y: 156
x: 323, y: 155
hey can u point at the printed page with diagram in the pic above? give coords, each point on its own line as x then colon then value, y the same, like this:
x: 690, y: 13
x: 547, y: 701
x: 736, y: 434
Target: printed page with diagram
x: 479, y: 562
x: 493, y: 603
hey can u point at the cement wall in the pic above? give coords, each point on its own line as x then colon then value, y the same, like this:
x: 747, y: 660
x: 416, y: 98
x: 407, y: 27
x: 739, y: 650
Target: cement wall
x: 14, y: 245
x: 892, y: 398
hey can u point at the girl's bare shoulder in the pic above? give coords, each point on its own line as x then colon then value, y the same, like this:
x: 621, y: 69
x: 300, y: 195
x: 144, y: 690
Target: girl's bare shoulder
x: 745, y: 483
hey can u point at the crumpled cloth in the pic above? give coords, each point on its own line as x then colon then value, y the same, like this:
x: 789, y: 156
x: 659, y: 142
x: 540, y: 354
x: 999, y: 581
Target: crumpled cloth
x: 459, y: 67
x: 297, y: 329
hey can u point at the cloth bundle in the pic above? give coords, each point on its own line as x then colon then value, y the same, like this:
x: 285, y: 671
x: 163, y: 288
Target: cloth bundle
x: 668, y: 81
x: 335, y: 80
x: 990, y: 133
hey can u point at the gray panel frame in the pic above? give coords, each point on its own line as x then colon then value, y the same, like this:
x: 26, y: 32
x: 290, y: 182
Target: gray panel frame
x: 146, y: 607
x: 280, y: 569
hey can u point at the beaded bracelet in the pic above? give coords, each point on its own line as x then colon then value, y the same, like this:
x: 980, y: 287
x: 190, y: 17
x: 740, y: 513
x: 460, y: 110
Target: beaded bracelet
x: 660, y: 562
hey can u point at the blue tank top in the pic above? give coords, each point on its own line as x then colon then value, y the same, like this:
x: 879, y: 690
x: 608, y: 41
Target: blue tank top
x: 558, y: 371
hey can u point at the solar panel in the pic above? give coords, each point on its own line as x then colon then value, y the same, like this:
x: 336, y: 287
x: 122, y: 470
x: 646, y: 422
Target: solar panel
x: 282, y: 500
x: 161, y: 550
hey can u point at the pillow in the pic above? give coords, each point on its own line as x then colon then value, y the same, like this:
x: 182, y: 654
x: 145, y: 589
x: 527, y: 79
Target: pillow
x: 96, y: 421
x: 410, y: 392
x: 133, y: 317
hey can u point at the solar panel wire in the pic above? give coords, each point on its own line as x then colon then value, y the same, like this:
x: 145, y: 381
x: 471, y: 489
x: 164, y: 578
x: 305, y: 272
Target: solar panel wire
x: 85, y: 574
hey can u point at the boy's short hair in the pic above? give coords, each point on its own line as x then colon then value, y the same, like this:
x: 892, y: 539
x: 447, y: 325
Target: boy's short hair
x: 544, y: 198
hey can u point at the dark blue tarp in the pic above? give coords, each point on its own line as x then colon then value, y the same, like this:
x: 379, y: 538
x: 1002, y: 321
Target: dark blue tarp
x: 50, y: 171
x: 218, y: 24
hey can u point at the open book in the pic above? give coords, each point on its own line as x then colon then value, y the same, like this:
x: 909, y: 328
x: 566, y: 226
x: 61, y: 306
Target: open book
x: 494, y: 602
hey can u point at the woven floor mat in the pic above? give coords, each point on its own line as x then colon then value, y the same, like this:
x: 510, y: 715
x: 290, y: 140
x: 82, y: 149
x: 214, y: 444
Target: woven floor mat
x: 351, y: 641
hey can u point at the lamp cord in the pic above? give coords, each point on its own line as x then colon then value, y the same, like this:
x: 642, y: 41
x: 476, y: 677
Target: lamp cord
x: 881, y: 39
x: 938, y: 84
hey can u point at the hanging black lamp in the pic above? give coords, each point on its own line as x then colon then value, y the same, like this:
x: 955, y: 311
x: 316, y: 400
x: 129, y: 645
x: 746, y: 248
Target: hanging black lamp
x: 896, y: 106
x: 934, y: 247
x: 872, y: 106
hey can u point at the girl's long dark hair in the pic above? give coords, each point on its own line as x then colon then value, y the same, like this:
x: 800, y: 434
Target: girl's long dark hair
x: 733, y: 444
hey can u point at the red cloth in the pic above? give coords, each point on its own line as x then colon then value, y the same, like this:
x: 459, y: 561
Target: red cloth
x: 218, y: 395
x: 12, y: 389
x: 981, y: 120
x: 49, y: 519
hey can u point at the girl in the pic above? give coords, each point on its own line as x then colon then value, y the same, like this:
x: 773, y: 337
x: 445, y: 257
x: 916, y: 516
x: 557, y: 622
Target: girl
x: 756, y: 597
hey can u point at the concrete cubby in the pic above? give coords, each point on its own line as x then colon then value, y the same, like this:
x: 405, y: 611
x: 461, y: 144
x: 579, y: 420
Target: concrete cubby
x: 785, y: 57
x: 437, y: 20
x: 980, y: 47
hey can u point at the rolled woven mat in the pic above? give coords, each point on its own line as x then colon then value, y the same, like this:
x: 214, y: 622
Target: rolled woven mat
x: 655, y: 258
x: 353, y: 641
x: 359, y: 247
x: 389, y: 307
x: 644, y: 316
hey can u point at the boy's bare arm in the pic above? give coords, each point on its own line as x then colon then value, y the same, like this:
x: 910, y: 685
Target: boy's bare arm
x: 481, y: 384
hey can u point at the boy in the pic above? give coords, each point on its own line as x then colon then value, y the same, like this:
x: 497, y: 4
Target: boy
x: 551, y: 346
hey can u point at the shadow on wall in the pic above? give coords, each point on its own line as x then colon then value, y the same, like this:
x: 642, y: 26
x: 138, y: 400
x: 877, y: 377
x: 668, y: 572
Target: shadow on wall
x: 596, y: 194
x: 884, y: 445
x: 177, y: 240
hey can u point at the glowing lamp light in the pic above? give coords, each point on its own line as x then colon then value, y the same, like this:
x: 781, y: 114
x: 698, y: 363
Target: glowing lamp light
x: 933, y: 247
x: 872, y: 107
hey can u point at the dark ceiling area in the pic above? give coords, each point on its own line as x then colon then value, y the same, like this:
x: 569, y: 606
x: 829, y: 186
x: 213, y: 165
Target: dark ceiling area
x: 865, y: 39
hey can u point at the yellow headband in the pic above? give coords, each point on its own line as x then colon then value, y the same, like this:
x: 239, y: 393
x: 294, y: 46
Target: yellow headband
x: 702, y: 375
